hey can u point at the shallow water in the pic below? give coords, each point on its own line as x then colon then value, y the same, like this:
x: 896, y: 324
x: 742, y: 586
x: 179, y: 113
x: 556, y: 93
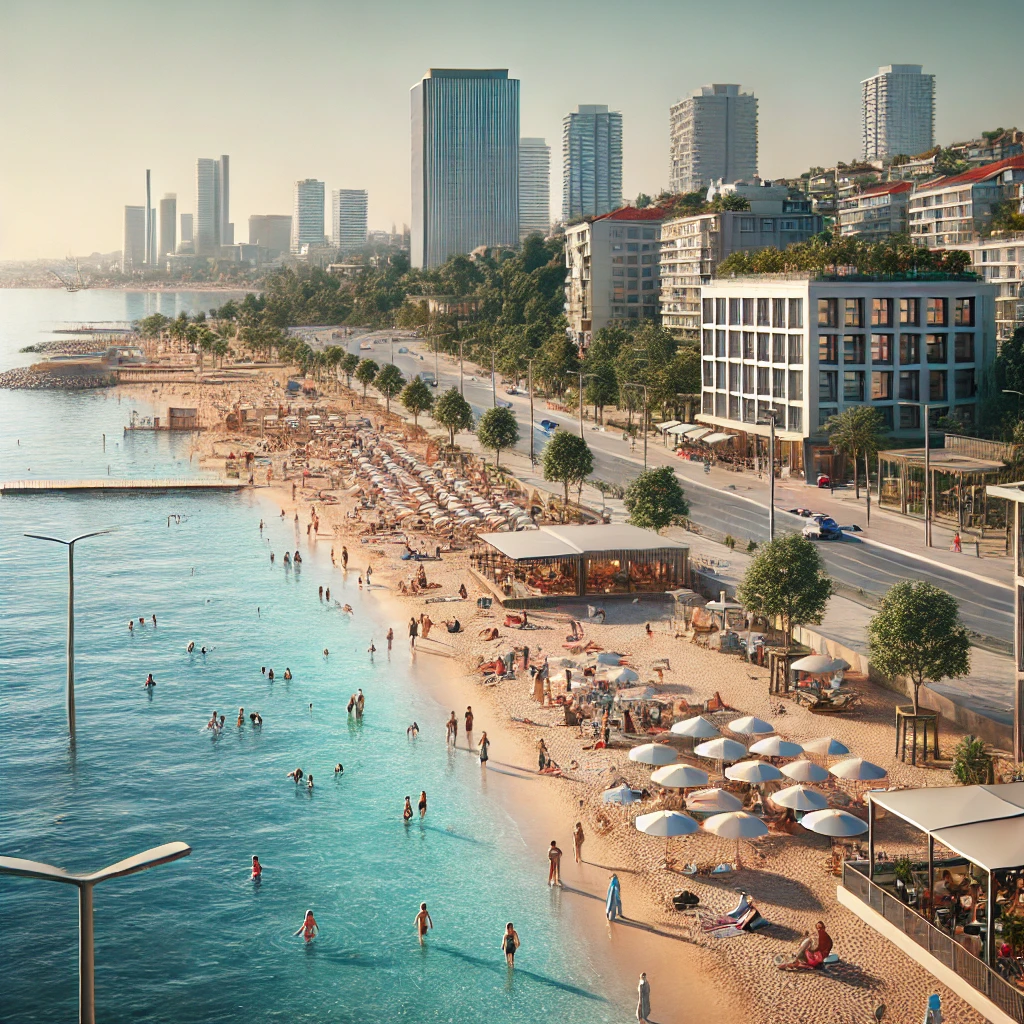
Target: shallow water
x: 197, y: 940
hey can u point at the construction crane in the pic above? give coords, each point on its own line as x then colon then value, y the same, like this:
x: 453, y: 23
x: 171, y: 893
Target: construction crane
x: 71, y: 277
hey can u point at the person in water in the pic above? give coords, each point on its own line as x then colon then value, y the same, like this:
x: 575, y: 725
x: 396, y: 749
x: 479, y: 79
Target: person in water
x: 484, y: 746
x: 339, y: 769
x: 212, y: 723
x: 241, y: 717
x: 309, y: 927
x: 390, y: 638
x: 131, y: 625
x: 423, y: 803
x: 509, y: 944
x: 150, y: 681
x: 296, y: 775
x: 270, y: 674
x: 191, y: 646
x: 413, y: 731
x: 287, y: 673
x: 328, y: 595
x: 423, y: 922
x: 407, y: 811
x: 257, y: 868
x: 344, y: 558
x: 309, y: 781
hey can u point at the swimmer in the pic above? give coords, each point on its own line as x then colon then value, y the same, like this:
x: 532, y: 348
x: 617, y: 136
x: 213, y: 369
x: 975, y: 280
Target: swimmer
x: 261, y: 530
x: 271, y: 557
x: 296, y: 557
x: 339, y: 769
x: 347, y: 609
x: 413, y: 731
x: 328, y: 593
x: 257, y: 867
x: 296, y: 775
x: 360, y: 704
x: 344, y: 558
x: 142, y: 620
x: 309, y: 781
x: 263, y: 670
x: 270, y: 674
x: 202, y: 650
x: 150, y: 681
x: 326, y: 652
x: 191, y: 646
x: 390, y: 638
x: 407, y: 810
x: 212, y: 723
x: 371, y: 649
x: 287, y: 558
x: 154, y: 620
x: 309, y: 927
x: 220, y: 723
x: 423, y: 922
x: 422, y: 805
x: 131, y: 625
x: 241, y: 717
x: 287, y: 673
x: 321, y: 593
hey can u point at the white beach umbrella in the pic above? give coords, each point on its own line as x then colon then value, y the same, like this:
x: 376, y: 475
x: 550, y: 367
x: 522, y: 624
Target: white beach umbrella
x: 819, y: 665
x: 804, y: 771
x: 775, y: 746
x: 856, y: 769
x: 833, y: 822
x: 698, y: 728
x: 721, y: 750
x: 736, y: 825
x: 713, y: 801
x: 653, y: 753
x: 622, y: 674
x: 826, y: 746
x: 800, y: 798
x: 680, y: 776
x: 750, y: 726
x: 666, y: 823
x: 754, y: 772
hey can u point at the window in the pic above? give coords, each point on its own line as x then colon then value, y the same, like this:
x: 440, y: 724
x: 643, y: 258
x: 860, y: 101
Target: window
x: 828, y: 386
x: 964, y: 348
x: 881, y: 348
x: 633, y: 298
x: 853, y: 348
x: 632, y: 272
x: 734, y: 344
x: 910, y: 312
x: 778, y: 383
x: 853, y: 313
x: 910, y: 385
x: 762, y: 380
x: 646, y: 261
x: 617, y: 248
x: 747, y: 223
x: 708, y: 375
x: 719, y: 311
x: 963, y: 312
x: 617, y: 259
x: 910, y: 417
x: 881, y: 385
x: 796, y: 348
x: 648, y: 233
x: 734, y: 312
x: 707, y: 403
x: 936, y: 312
x: 646, y: 272
x: 748, y: 379
x: 936, y: 346
x: 749, y: 410
x: 618, y: 272
x: 734, y: 407
x: 778, y: 312
x: 937, y: 385
x: 720, y: 375
x: 719, y: 343
x: 633, y: 233
x: 886, y: 412
x: 796, y: 416
x: 964, y: 384
x: 828, y: 312
x: 632, y: 247
x: 768, y: 225
x: 825, y: 414
x: 734, y: 376
x: 764, y: 348
x: 720, y: 406
x: 910, y: 349
x: 881, y: 312
x: 796, y: 313
x: 853, y: 386
x: 647, y: 286
x: 709, y: 310
x: 763, y: 313
x: 796, y: 385
x: 828, y: 348
x: 748, y: 344
x: 778, y: 348
x: 708, y: 348
x: 631, y: 260
x: 748, y: 312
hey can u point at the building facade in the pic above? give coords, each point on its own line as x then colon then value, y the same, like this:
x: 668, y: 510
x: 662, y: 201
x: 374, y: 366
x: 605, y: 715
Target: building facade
x: 712, y: 136
x: 348, y: 219
x: 693, y: 247
x: 133, y: 247
x: 186, y: 228
x: 307, y: 215
x: 877, y: 212
x: 954, y: 211
x: 898, y: 114
x: 465, y: 163
x: 168, y: 225
x: 591, y: 162
x: 810, y: 346
x: 271, y: 231
x: 534, y: 188
x: 611, y: 270
x: 212, y: 227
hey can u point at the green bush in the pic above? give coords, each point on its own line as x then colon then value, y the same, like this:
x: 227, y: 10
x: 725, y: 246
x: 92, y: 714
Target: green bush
x: 972, y: 764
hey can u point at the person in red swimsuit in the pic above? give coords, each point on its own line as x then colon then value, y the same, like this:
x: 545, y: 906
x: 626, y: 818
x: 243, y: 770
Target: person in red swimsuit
x: 257, y: 868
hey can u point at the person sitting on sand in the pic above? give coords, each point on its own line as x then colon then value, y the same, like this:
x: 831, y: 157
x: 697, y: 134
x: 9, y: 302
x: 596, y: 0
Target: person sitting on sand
x: 812, y: 957
x: 463, y: 593
x: 421, y: 577
x: 453, y: 625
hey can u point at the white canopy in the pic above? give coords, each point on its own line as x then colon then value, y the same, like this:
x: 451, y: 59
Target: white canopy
x: 749, y: 725
x: 800, y: 798
x: 680, y: 776
x: 699, y: 728
x: 717, y: 438
x: 721, y: 750
x: 717, y: 800
x: 695, y: 433
x: 653, y: 753
x: 754, y: 772
x: 775, y: 746
x: 736, y: 825
x: 857, y: 769
x: 819, y: 665
x: 942, y: 807
x: 826, y: 746
x: 666, y: 823
x: 804, y: 771
x: 665, y: 426
x: 833, y: 822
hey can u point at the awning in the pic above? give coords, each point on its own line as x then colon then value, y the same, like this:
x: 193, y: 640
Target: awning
x: 717, y: 438
x: 696, y: 433
x: 664, y: 426
x: 944, y: 807
x: 680, y: 428
x: 992, y: 845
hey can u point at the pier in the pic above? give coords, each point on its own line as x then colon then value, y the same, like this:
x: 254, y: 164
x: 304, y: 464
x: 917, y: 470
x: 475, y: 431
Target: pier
x: 170, y: 484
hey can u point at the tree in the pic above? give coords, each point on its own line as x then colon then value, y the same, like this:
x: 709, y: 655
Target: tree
x: 787, y: 579
x: 602, y: 387
x: 643, y: 200
x: 152, y: 325
x: 567, y: 458
x: 417, y: 398
x: 857, y: 430
x: 389, y: 382
x: 453, y: 413
x: 917, y: 633
x: 366, y: 372
x: 349, y: 364
x: 498, y: 429
x: 655, y: 500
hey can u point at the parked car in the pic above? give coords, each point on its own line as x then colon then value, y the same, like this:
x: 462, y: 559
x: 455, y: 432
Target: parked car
x: 822, y: 528
x: 429, y: 378
x: 403, y: 351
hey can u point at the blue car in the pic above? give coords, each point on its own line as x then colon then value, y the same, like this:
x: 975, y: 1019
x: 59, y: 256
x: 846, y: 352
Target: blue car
x: 822, y: 528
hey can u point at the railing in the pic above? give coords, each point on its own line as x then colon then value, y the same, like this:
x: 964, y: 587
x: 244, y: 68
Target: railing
x: 938, y: 943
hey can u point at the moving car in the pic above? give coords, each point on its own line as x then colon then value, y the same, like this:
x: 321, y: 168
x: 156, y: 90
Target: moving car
x: 428, y: 378
x: 822, y: 527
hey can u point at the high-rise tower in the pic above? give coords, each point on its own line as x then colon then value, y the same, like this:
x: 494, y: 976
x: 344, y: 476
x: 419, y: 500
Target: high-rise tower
x: 898, y: 112
x: 534, y: 187
x: 308, y: 214
x: 591, y: 161
x: 348, y: 219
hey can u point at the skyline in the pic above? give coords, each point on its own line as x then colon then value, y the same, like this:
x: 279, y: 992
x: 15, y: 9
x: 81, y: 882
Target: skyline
x: 85, y: 140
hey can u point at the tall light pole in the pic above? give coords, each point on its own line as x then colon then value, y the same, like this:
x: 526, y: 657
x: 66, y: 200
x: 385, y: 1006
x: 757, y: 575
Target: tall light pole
x: 630, y: 384
x: 529, y: 378
x: 1019, y: 394
x: 85, y: 883
x: 494, y: 389
x: 769, y: 417
x: 927, y: 472
x: 70, y: 545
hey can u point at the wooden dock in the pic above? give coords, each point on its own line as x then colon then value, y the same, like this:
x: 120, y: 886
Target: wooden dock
x: 110, y: 484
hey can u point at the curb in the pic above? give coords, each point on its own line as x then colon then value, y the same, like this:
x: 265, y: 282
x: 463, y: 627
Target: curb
x: 939, y: 565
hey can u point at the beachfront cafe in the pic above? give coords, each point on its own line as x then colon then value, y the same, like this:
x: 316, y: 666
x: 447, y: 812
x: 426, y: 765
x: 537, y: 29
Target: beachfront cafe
x: 604, y: 560
x: 956, y: 906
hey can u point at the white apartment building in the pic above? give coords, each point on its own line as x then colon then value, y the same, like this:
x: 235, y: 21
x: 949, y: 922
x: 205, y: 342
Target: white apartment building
x: 348, y: 219
x: 693, y: 247
x: 953, y: 211
x: 611, y: 270
x: 808, y: 346
x: 307, y: 215
x: 877, y: 212
x: 133, y: 247
x: 712, y: 136
x: 898, y: 112
x: 534, y: 188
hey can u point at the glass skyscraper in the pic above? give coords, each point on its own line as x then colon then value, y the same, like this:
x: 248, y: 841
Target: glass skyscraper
x: 348, y: 219
x: 465, y: 163
x: 212, y: 229
x: 308, y: 214
x: 591, y: 162
x: 534, y: 187
x: 899, y: 112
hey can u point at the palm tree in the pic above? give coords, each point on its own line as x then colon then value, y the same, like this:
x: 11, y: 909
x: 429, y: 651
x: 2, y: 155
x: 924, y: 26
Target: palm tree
x: 857, y: 430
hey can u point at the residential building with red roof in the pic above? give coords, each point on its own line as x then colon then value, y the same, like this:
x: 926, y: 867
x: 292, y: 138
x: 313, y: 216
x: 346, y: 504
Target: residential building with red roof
x: 876, y: 212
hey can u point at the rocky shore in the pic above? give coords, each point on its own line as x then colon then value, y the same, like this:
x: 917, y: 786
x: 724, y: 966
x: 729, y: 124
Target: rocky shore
x: 24, y: 378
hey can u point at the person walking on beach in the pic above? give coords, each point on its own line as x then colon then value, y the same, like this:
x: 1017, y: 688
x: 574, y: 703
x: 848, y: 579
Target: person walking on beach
x: 414, y: 628
x: 469, y: 725
x: 542, y: 754
x: 369, y: 574
x: 453, y: 730
x: 344, y: 558
x: 423, y: 922
x: 554, y: 864
x: 390, y: 637
x: 613, y: 901
x: 484, y: 746
x: 509, y: 944
x: 643, y: 1000
x: 577, y: 841
x: 309, y: 927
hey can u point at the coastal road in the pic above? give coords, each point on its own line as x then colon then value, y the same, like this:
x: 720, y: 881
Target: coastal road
x: 986, y: 608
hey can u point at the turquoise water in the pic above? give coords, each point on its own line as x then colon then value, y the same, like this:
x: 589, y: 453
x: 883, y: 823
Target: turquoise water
x: 197, y: 940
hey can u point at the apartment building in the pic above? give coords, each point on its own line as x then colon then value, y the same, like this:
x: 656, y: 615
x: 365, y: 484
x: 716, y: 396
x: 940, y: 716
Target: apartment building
x: 693, y: 247
x: 951, y: 211
x: 534, y: 187
x: 807, y: 346
x: 877, y: 212
x: 611, y: 270
x: 898, y: 114
x: 591, y: 161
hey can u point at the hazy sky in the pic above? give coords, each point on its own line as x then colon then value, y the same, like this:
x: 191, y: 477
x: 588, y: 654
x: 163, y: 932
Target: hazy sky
x: 96, y: 91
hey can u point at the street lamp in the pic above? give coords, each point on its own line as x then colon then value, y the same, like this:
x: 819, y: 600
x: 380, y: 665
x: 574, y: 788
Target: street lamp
x: 1019, y: 394
x: 630, y: 384
x: 529, y: 375
x: 70, y: 545
x: 768, y: 417
x: 582, y: 377
x: 85, y: 883
x: 927, y: 472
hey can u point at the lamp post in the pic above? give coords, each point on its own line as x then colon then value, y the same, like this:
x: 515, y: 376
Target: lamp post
x: 529, y: 378
x: 927, y: 472
x: 70, y: 545
x: 769, y: 417
x: 630, y: 384
x: 85, y: 884
x: 579, y: 374
x: 1019, y: 394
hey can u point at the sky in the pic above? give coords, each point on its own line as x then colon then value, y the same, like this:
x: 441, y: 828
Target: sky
x: 96, y: 91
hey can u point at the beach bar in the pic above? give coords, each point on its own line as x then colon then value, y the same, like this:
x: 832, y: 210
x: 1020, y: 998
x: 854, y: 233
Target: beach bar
x: 603, y: 560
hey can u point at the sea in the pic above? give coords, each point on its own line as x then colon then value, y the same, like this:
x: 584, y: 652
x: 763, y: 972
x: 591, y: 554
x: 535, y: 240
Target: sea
x: 197, y: 940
